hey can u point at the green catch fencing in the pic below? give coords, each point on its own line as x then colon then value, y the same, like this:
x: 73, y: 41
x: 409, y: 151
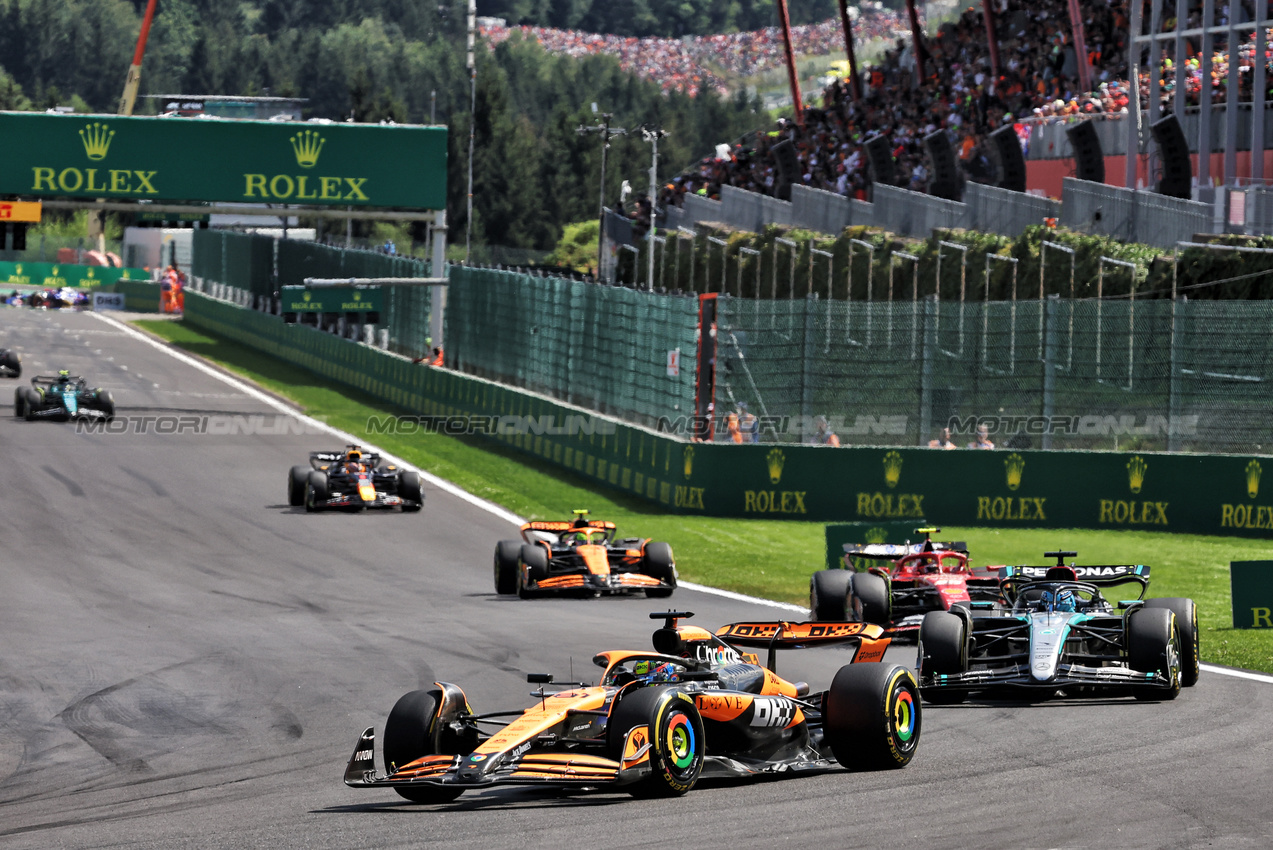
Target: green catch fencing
x: 139, y: 296
x: 1076, y: 374
x: 251, y: 270
x: 1006, y: 488
x: 600, y: 347
x: 427, y: 399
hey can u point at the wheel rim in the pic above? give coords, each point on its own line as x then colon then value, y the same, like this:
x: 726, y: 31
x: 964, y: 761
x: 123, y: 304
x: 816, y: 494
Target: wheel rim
x: 903, y: 712
x: 681, y: 741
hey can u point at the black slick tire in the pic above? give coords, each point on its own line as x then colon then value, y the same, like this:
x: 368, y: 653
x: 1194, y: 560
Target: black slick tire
x: 410, y: 489
x: 1153, y: 645
x: 1187, y: 622
x: 677, y: 742
x: 297, y: 478
x: 19, y: 402
x: 658, y: 563
x: 872, y: 716
x: 411, y: 732
x: 943, y: 648
x: 316, y: 491
x: 869, y: 599
x: 829, y: 595
x: 506, y: 556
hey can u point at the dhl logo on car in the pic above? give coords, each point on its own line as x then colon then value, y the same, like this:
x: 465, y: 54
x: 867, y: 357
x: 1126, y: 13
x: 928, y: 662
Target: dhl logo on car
x: 764, y: 711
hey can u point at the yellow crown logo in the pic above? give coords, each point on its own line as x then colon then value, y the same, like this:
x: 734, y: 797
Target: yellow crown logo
x: 776, y: 459
x: 97, y: 140
x: 305, y: 296
x: 876, y: 535
x: 892, y: 468
x: 19, y: 269
x: 357, y: 296
x: 1253, y: 478
x: 1015, y: 464
x: 307, y: 145
x: 1136, y: 468
x: 688, y: 458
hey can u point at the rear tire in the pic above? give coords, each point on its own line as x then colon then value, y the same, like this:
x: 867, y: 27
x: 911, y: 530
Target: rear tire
x: 677, y: 741
x: 943, y: 648
x: 13, y: 362
x: 1187, y: 622
x: 1153, y: 645
x: 19, y: 402
x: 409, y: 488
x: 869, y: 599
x: 829, y: 595
x: 658, y: 563
x: 506, y: 555
x: 411, y: 732
x: 872, y: 716
x: 532, y: 565
x: 296, y: 480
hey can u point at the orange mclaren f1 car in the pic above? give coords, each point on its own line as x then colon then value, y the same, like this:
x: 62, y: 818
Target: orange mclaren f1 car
x: 696, y: 707
x: 582, y: 556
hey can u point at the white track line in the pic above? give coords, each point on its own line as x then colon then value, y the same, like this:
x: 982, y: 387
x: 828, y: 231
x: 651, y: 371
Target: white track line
x: 447, y: 486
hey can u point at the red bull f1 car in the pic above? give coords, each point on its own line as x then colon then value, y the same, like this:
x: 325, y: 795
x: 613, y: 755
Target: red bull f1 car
x: 1060, y: 634
x: 928, y: 576
x: 698, y: 706
x: 355, y: 480
x: 582, y: 556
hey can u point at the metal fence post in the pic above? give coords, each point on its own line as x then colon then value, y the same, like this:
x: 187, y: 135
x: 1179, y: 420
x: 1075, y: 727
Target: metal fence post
x: 724, y: 246
x: 1173, y: 378
x: 926, y: 367
x: 963, y: 282
x: 1043, y: 253
x: 1050, y: 307
x: 870, y: 274
x: 813, y: 254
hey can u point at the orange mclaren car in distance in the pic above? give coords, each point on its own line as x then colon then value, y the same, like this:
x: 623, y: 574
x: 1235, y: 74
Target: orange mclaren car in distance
x: 582, y: 557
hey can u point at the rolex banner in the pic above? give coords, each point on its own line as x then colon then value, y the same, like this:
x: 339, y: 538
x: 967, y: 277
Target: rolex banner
x: 181, y: 159
x: 1150, y: 491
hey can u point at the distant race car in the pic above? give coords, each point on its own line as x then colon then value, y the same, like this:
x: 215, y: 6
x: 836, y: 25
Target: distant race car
x: 10, y: 364
x: 928, y: 576
x: 63, y: 396
x: 582, y: 556
x: 696, y: 707
x: 353, y: 479
x: 1060, y: 633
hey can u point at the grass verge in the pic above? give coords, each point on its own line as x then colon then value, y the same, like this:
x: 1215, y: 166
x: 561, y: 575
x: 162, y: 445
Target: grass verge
x: 768, y: 558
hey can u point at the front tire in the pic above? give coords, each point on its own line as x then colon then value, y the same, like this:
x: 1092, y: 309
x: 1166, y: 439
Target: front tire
x: 296, y: 480
x: 316, y: 491
x: 506, y: 556
x: 872, y: 716
x: 32, y: 405
x: 658, y: 563
x: 943, y: 648
x: 677, y: 741
x: 412, y: 732
x: 869, y: 599
x: 19, y: 402
x: 1187, y: 622
x: 409, y: 488
x: 1153, y: 645
x: 829, y: 595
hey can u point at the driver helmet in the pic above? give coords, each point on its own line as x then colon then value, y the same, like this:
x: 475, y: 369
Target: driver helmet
x: 931, y: 565
x: 1066, y: 600
x: 353, y: 456
x: 63, y: 376
x: 653, y: 671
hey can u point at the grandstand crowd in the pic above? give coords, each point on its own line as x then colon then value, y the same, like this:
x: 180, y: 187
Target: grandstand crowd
x: 697, y: 63
x: 1038, y: 79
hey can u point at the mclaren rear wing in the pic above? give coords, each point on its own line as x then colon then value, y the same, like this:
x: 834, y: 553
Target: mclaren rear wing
x: 777, y: 634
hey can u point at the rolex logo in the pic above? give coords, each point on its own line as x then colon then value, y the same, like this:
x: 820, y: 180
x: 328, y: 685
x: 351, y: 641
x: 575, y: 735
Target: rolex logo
x: 1136, y: 468
x: 688, y: 458
x: 892, y: 468
x: 1015, y: 465
x: 357, y: 295
x: 1253, y: 478
x: 776, y: 458
x: 97, y: 140
x: 305, y: 296
x: 307, y: 145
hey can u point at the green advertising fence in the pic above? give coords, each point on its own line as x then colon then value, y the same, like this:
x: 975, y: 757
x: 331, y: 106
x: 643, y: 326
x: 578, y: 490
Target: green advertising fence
x: 1027, y: 488
x: 57, y: 275
x: 604, y: 348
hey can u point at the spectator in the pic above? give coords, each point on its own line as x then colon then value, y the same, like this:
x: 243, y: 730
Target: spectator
x: 983, y: 439
x: 748, y: 424
x: 823, y: 435
x: 943, y: 441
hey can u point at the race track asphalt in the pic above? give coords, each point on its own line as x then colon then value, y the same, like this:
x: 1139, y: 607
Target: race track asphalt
x: 187, y: 662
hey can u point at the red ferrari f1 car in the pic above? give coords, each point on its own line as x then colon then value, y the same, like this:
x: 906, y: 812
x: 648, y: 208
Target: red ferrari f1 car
x: 582, y: 556
x: 696, y: 707
x: 928, y: 576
